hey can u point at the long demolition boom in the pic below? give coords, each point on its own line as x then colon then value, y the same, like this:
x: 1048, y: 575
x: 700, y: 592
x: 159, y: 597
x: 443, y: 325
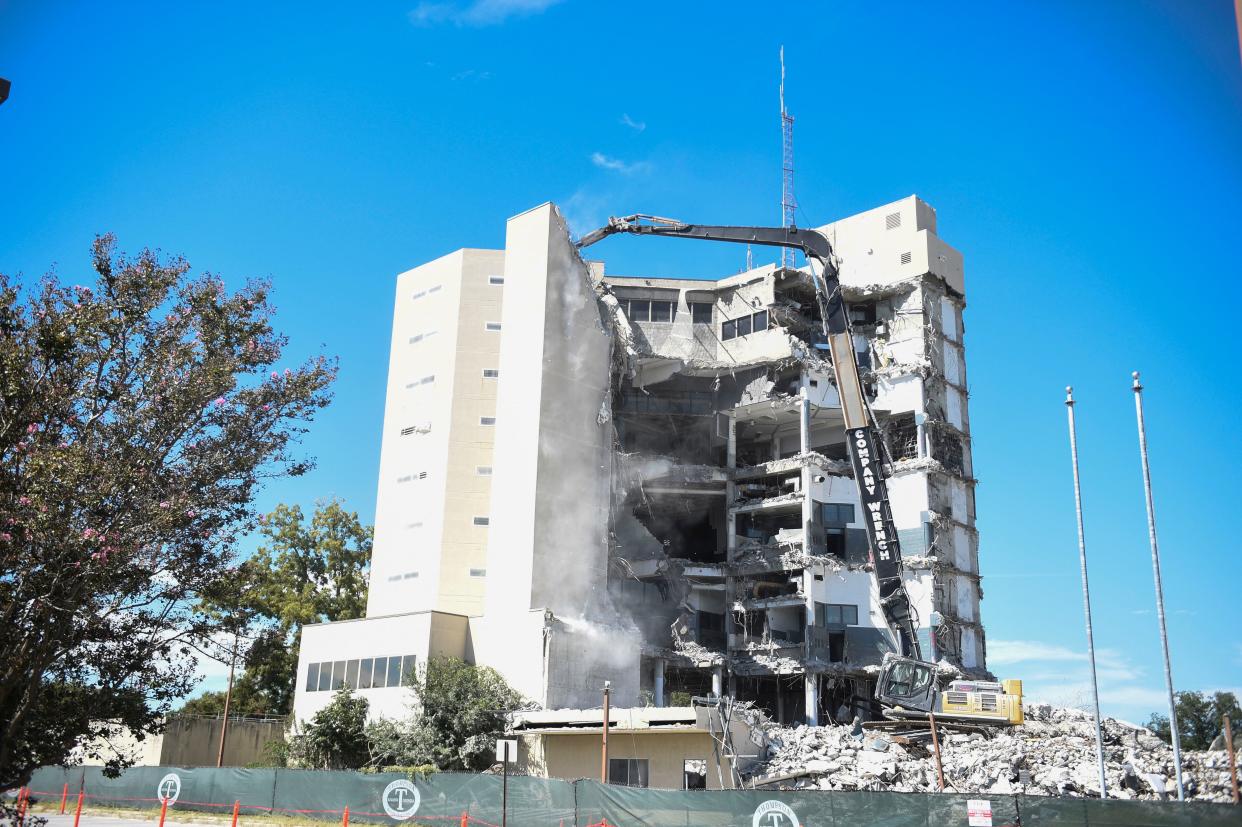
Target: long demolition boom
x: 859, y: 425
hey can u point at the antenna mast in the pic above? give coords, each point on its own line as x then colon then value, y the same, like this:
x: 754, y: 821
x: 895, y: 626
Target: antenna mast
x: 788, y: 203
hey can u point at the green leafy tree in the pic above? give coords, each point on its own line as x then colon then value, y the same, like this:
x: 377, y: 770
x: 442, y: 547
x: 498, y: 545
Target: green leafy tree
x: 138, y: 417
x: 459, y: 712
x: 335, y: 738
x: 304, y: 572
x: 1198, y: 718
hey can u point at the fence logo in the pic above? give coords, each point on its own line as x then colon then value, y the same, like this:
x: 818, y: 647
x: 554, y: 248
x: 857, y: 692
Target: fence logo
x: 401, y: 800
x: 169, y: 788
x: 772, y: 813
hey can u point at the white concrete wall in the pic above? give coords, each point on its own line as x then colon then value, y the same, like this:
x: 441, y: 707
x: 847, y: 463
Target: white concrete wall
x: 551, y: 487
x: 421, y: 634
x: 409, y: 511
x: 891, y: 243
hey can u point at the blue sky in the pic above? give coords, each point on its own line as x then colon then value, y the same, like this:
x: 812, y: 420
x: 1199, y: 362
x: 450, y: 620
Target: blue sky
x: 1083, y: 156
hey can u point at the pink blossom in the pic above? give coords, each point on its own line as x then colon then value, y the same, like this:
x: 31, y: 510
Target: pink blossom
x: 164, y: 504
x: 288, y: 372
x: 220, y: 402
x: 267, y: 407
x: 5, y: 536
x: 275, y: 375
x: 191, y: 513
x: 88, y: 533
x: 23, y: 501
x: 32, y: 428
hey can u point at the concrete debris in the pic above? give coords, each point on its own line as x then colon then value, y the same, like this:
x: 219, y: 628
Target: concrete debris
x: 1053, y: 753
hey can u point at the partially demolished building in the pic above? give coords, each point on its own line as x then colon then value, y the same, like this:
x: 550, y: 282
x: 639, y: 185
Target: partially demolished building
x: 647, y: 482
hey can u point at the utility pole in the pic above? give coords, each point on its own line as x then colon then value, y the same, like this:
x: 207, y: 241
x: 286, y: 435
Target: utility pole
x: 228, y: 697
x: 1086, y: 591
x: 1155, y: 568
x: 603, y: 766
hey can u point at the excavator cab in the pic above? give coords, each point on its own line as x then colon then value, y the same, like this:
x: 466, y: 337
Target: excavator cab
x: 906, y: 685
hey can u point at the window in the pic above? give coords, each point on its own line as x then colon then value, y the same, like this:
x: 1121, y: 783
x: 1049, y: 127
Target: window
x: 661, y: 311
x: 338, y: 675
x: 325, y: 676
x: 743, y: 326
x: 491, y: 327
x: 907, y: 679
x: 364, y: 673
x: 394, y: 671
x: 426, y: 380
x: 351, y: 674
x: 491, y: 373
x: 414, y: 525
x: 478, y: 572
x: 701, y: 312
x: 862, y: 313
x: 435, y: 289
x: 836, y: 514
x: 728, y: 331
x: 487, y: 420
x: 496, y: 280
x: 379, y: 673
x: 419, y: 294
x: 409, y: 575
x: 639, y: 310
x: 406, y: 478
x: 836, y: 614
x: 312, y: 677
x: 407, y: 669
x: 418, y: 337
x: 481, y: 520
x: 694, y: 774
x: 483, y: 470
x: 760, y: 320
x: 630, y: 772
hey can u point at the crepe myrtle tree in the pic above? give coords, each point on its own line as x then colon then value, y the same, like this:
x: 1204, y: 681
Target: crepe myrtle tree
x: 138, y: 416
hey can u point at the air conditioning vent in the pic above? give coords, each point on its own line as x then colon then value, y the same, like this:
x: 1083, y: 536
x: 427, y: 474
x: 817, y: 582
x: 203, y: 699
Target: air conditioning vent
x: 905, y: 258
x: 892, y: 221
x: 407, y: 431
x: 956, y: 697
x: 987, y: 702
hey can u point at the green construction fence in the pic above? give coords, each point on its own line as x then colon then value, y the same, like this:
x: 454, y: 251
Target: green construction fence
x: 461, y: 800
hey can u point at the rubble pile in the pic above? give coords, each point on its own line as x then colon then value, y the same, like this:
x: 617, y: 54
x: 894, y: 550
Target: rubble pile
x: 1053, y: 753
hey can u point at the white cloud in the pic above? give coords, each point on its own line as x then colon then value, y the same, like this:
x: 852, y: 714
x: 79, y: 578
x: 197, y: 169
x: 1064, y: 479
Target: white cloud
x: 476, y: 12
x: 617, y: 165
x: 1060, y: 675
x: 1016, y: 651
x: 637, y: 126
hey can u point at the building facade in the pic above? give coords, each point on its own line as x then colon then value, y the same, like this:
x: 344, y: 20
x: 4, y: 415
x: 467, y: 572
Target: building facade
x: 645, y: 480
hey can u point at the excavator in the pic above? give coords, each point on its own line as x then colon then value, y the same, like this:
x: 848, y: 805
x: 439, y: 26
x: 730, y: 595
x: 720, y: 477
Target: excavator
x: 907, y: 687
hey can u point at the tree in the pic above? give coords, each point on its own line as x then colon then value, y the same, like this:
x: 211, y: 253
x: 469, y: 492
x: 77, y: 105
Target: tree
x: 459, y: 712
x: 1198, y: 718
x: 302, y: 573
x: 335, y: 738
x: 138, y: 416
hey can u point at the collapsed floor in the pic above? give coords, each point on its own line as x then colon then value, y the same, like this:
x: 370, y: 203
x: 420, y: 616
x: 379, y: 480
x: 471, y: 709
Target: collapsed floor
x: 1053, y: 753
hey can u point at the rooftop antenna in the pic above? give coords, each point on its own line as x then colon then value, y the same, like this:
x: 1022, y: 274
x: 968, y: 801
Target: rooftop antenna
x: 788, y: 203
